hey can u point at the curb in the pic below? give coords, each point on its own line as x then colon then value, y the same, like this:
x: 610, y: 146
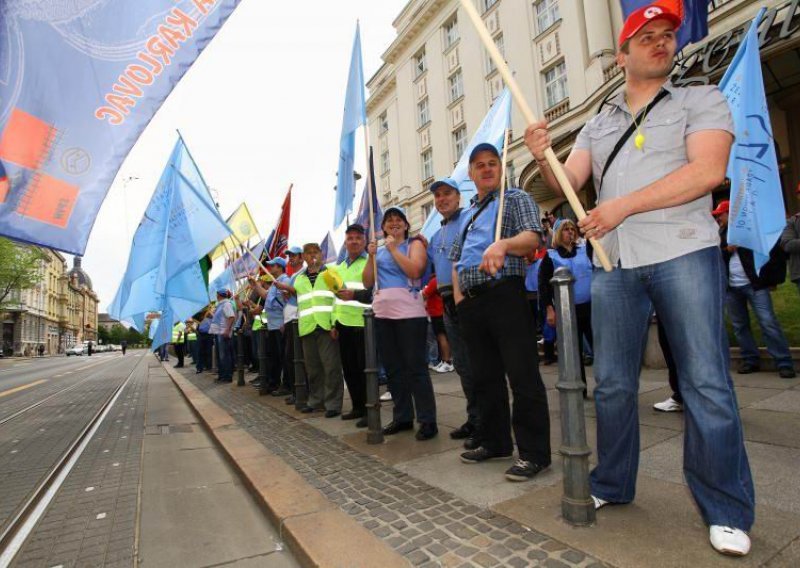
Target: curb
x: 317, y: 532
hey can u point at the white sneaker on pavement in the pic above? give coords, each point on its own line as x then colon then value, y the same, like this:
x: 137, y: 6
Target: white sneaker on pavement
x: 444, y: 367
x: 599, y: 503
x: 669, y: 405
x: 386, y: 397
x: 728, y: 540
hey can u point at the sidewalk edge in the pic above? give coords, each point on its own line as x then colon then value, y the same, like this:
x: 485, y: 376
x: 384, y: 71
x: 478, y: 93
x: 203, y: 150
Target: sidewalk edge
x: 315, y: 529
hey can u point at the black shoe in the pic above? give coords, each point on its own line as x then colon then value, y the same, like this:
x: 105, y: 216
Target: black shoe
x: 362, y: 422
x: 481, y: 454
x: 472, y: 443
x: 280, y: 391
x: 395, y: 427
x: 745, y: 368
x: 198, y: 371
x: 177, y: 366
x: 252, y: 370
x: 523, y: 470
x: 307, y: 409
x: 786, y: 373
x: 332, y: 413
x: 352, y: 415
x: 426, y: 432
x: 225, y: 380
x: 289, y: 399
x: 550, y: 361
x: 588, y: 361
x: 464, y: 431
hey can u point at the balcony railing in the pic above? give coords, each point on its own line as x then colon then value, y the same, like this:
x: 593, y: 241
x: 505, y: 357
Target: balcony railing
x: 557, y: 110
x: 717, y: 4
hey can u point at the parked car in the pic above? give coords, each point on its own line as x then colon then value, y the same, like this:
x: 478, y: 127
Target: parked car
x: 78, y: 349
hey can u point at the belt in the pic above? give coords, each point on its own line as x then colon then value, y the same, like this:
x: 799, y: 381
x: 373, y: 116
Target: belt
x: 480, y: 289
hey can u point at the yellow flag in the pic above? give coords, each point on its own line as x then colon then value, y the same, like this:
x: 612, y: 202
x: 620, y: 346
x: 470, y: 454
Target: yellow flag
x: 243, y: 226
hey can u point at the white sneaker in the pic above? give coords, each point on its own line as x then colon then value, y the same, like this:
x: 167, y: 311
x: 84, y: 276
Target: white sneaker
x: 730, y: 541
x: 599, y: 503
x: 386, y: 397
x: 446, y: 367
x: 669, y: 405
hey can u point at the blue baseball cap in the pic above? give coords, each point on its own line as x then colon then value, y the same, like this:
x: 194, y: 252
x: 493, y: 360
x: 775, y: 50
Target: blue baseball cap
x: 396, y: 209
x: 224, y: 292
x: 483, y: 147
x: 450, y: 182
x: 279, y: 261
x: 294, y: 250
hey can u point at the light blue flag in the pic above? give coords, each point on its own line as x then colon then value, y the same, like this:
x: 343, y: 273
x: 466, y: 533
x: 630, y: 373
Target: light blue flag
x: 79, y: 81
x: 355, y: 115
x: 248, y: 263
x: 328, y: 249
x: 153, y: 329
x: 179, y: 226
x: 224, y: 281
x: 492, y: 130
x: 163, y: 331
x: 757, y: 214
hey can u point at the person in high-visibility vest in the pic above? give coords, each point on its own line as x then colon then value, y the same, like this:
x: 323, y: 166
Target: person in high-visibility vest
x: 191, y: 339
x: 348, y: 318
x: 178, y: 331
x: 315, y: 322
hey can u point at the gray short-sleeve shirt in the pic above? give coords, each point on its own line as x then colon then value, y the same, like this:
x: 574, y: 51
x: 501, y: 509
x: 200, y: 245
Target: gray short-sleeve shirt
x: 663, y: 234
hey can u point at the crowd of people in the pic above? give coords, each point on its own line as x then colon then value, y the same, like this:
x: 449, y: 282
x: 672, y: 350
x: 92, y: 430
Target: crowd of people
x: 488, y: 300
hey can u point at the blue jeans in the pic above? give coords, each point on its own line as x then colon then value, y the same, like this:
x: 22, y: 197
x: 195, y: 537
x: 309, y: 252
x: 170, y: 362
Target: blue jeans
x: 761, y: 301
x: 225, y: 352
x: 688, y: 294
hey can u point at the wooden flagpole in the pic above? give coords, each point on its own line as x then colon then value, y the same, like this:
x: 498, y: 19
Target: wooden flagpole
x: 499, y: 223
x: 530, y: 117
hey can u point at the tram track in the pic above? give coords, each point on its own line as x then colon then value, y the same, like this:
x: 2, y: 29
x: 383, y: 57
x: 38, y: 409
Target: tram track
x: 27, y: 514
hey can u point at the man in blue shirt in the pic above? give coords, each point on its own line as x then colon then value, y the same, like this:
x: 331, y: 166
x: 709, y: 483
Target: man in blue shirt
x: 489, y: 292
x: 274, y: 302
x: 447, y: 199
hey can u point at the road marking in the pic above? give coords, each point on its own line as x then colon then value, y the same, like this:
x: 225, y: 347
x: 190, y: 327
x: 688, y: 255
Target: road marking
x: 23, y: 387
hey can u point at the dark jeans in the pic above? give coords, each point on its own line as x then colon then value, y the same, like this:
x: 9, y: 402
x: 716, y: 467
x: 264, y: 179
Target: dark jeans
x: 205, y: 349
x: 193, y: 349
x: 500, y: 334
x: 402, y: 347
x: 353, y: 355
x: 672, y: 369
x: 253, y: 339
x: 460, y: 353
x: 775, y: 340
x: 583, y: 313
x: 289, y: 332
x: 247, y: 346
x: 275, y: 350
x: 179, y: 353
x: 225, y: 352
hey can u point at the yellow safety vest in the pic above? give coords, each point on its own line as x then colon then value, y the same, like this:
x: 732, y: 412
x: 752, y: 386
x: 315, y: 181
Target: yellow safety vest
x: 314, y: 304
x: 177, y: 332
x: 350, y: 312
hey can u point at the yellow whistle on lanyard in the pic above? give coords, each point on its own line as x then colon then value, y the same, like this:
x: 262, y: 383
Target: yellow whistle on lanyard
x: 638, y: 141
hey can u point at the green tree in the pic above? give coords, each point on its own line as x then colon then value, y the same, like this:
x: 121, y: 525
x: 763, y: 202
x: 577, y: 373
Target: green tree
x: 118, y: 333
x: 19, y: 268
x: 103, y: 335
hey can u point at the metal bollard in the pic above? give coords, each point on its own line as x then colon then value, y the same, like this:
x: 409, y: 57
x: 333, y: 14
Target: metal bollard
x: 577, y: 506
x: 374, y: 427
x: 263, y: 361
x: 300, y: 378
x: 240, y: 358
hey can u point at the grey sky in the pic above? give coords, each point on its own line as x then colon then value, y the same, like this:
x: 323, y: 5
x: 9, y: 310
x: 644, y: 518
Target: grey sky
x: 261, y: 107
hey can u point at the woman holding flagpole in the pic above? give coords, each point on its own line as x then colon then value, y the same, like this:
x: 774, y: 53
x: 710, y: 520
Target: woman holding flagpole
x: 401, y: 324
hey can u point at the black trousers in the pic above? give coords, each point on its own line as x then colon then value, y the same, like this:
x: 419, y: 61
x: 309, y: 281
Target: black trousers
x: 583, y: 312
x: 205, y: 351
x: 499, y: 330
x: 289, y: 331
x: 275, y: 354
x: 180, y: 351
x: 353, y: 355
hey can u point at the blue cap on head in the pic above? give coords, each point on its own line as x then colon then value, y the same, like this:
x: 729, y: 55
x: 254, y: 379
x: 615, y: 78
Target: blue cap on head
x: 278, y: 260
x: 450, y: 182
x: 483, y: 147
x: 397, y: 210
x: 294, y: 250
x: 224, y: 292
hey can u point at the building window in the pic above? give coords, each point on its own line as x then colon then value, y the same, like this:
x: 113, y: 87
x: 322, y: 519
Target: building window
x: 456, y: 85
x: 385, y: 163
x: 426, y: 210
x: 423, y: 113
x: 427, y: 164
x: 546, y: 14
x: 488, y: 4
x: 555, y: 80
x: 490, y: 66
x: 450, y: 30
x: 383, y: 123
x: 420, y: 66
x: 459, y: 142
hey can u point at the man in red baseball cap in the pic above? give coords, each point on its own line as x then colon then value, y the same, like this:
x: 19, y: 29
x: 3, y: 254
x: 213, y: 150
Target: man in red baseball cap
x: 655, y: 152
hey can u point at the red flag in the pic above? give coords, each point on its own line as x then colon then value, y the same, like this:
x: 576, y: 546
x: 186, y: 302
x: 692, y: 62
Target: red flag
x: 280, y: 238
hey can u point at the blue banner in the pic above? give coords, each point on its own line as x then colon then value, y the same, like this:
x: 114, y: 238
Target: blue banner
x: 363, y: 209
x: 179, y: 227
x: 492, y: 130
x: 328, y: 249
x: 79, y: 81
x: 694, y: 14
x: 225, y: 281
x: 757, y: 214
x: 355, y: 115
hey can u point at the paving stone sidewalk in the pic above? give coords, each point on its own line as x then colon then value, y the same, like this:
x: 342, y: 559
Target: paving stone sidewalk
x: 428, y: 525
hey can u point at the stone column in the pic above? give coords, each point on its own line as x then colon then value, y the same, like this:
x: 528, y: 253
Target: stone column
x: 599, y: 36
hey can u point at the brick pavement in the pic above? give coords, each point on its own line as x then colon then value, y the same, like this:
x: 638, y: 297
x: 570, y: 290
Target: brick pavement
x: 428, y: 525
x: 93, y: 519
